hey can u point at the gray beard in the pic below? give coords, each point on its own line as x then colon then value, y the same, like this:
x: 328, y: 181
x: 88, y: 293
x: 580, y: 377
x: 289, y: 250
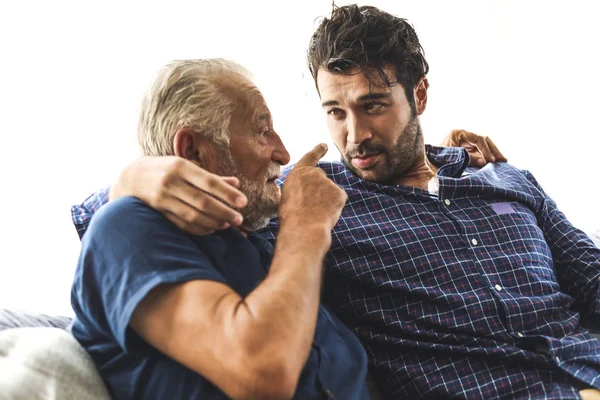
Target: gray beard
x: 260, y: 209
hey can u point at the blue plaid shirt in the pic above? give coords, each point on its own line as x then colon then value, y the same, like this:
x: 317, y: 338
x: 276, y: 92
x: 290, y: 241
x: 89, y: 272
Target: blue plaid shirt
x: 477, y: 292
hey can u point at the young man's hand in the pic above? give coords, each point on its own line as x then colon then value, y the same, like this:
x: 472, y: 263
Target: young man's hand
x: 481, y: 148
x: 195, y: 200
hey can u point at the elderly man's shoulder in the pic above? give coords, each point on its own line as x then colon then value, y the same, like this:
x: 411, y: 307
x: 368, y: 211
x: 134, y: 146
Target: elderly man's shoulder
x: 125, y: 214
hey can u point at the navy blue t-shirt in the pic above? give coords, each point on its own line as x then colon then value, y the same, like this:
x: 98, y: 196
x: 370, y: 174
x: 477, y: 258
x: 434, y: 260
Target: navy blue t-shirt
x: 130, y: 249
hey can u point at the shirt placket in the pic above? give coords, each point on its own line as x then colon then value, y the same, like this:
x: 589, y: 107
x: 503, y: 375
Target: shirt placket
x: 474, y: 246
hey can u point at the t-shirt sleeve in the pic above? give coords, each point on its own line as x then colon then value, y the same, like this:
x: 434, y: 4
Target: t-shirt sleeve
x: 128, y: 250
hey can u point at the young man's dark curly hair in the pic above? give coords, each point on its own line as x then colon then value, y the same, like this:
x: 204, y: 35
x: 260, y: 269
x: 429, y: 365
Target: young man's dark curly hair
x: 366, y: 37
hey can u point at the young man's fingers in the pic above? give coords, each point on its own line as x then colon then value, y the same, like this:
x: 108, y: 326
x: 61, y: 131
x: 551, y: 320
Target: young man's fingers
x: 476, y: 159
x: 494, y: 149
x: 232, y: 180
x: 311, y: 158
x: 466, y: 136
x: 185, y: 226
x: 484, y: 149
x: 215, y: 185
x: 193, y: 219
x: 207, y: 204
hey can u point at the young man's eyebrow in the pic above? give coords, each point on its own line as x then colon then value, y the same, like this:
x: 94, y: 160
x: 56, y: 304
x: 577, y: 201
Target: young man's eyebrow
x: 329, y: 103
x: 374, y: 96
x: 362, y: 99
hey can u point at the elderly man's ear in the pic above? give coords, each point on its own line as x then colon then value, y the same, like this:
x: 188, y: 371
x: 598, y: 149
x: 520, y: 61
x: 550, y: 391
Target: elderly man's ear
x: 196, y: 148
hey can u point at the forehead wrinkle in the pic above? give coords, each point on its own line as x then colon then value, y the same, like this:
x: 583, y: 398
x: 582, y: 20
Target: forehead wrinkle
x: 357, y: 89
x: 250, y: 105
x: 257, y: 110
x: 362, y: 81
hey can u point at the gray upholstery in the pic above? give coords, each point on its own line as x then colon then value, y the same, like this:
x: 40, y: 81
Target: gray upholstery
x: 22, y: 319
x: 47, y: 364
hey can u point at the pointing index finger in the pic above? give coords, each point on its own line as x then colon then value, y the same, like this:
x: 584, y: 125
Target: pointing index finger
x: 311, y: 158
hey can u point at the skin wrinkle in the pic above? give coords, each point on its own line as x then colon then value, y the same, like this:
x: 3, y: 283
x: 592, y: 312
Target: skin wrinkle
x: 261, y: 207
x: 249, y: 121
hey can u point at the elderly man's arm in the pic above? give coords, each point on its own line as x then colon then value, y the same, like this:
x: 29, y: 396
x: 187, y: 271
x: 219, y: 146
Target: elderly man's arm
x: 254, y: 347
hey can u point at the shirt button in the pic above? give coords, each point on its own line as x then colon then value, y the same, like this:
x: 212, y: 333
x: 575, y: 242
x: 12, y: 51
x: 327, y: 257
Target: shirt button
x: 474, y: 241
x: 498, y: 287
x: 519, y: 334
x: 447, y: 202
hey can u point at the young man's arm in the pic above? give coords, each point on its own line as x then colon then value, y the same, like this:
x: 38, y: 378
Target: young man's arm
x: 196, y: 200
x: 576, y: 259
x: 254, y: 347
x: 481, y: 148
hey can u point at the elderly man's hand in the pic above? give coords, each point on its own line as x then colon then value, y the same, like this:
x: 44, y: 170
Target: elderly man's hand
x: 309, y: 197
x: 192, y: 198
x: 481, y: 148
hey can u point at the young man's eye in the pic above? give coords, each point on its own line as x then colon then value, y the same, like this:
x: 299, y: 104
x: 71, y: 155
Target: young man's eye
x: 335, y: 112
x: 373, y: 107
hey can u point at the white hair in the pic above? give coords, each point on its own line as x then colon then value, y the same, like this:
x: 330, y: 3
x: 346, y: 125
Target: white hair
x: 195, y: 94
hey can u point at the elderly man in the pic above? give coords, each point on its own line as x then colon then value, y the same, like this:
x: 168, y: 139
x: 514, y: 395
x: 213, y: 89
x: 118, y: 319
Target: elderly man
x: 168, y: 315
x: 460, y: 282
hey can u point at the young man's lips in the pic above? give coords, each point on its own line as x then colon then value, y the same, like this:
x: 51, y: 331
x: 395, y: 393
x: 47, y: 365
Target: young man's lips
x: 364, y: 162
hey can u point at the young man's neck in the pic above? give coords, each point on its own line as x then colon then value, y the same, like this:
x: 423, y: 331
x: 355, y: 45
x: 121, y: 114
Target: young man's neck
x: 419, y: 175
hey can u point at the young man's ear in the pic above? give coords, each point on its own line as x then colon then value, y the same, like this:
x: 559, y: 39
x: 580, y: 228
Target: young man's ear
x: 420, y: 95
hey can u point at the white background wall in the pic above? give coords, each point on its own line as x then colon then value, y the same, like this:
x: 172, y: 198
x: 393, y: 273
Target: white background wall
x: 72, y: 74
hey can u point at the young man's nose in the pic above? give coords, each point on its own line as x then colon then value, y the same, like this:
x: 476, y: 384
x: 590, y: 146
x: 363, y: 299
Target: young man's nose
x: 357, y: 132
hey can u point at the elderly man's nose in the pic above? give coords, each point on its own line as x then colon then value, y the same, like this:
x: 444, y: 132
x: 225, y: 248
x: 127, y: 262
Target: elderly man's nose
x: 280, y: 154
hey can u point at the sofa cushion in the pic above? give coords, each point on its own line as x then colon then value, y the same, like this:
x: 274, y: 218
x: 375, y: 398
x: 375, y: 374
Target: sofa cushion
x: 20, y: 319
x: 47, y: 364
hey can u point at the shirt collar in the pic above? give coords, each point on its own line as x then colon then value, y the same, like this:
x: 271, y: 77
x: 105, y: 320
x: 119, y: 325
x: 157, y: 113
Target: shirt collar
x: 451, y: 161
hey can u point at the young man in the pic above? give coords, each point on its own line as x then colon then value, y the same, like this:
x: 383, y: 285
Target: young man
x: 168, y: 315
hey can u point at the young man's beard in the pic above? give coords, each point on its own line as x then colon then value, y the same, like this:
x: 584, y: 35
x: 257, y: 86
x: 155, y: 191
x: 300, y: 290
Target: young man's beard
x: 263, y: 197
x: 399, y: 159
